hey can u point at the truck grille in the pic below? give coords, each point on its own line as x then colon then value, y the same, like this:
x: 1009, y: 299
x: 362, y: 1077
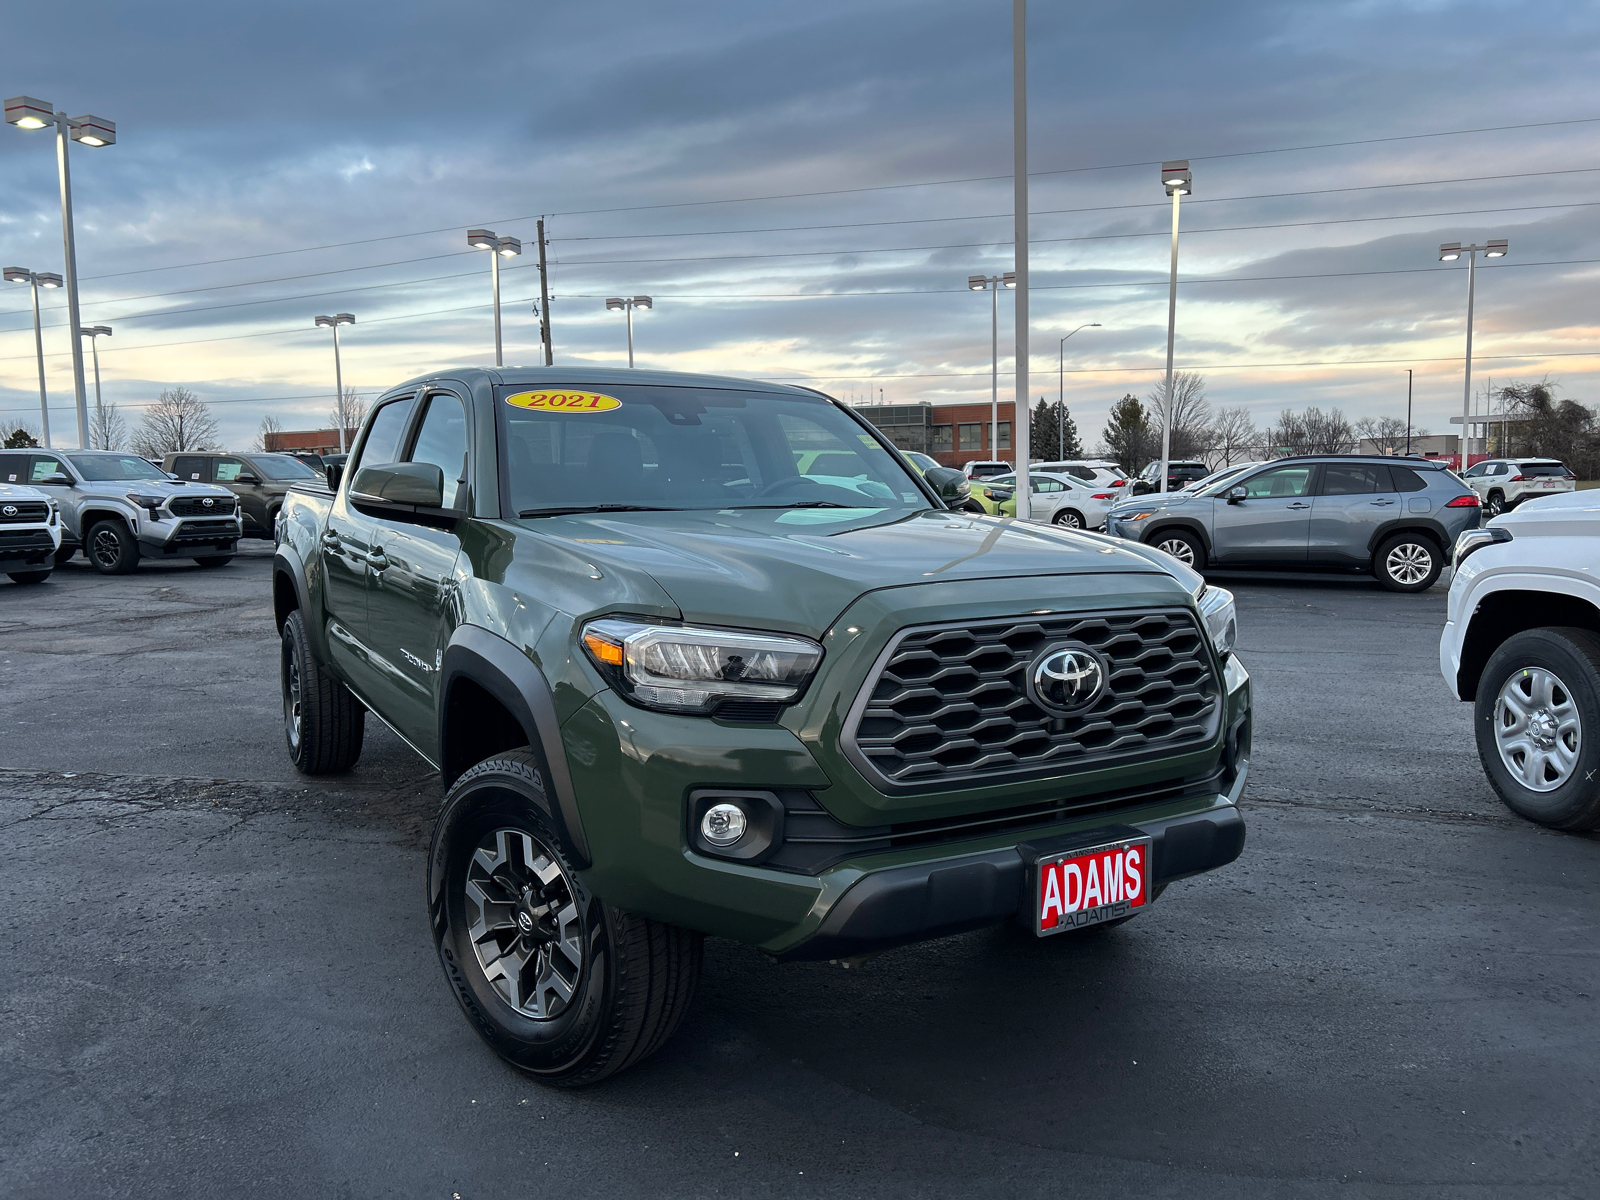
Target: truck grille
x: 948, y: 705
x: 25, y: 541
x: 26, y: 512
x: 195, y: 506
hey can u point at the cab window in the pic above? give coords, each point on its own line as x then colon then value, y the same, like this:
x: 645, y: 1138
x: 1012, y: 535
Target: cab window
x: 46, y: 465
x: 228, y: 470
x: 13, y: 468
x: 191, y: 468
x: 442, y: 440
x: 1283, y: 482
x: 382, y: 444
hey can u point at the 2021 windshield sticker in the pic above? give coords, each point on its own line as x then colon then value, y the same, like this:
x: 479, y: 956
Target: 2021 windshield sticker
x: 564, y: 402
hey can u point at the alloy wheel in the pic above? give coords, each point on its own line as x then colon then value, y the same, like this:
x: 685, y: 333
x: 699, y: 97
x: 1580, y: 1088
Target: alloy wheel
x: 524, y: 923
x: 1070, y: 519
x: 1537, y: 729
x: 1179, y: 549
x: 1495, y: 506
x: 291, y: 697
x: 1408, y: 563
x: 107, y: 548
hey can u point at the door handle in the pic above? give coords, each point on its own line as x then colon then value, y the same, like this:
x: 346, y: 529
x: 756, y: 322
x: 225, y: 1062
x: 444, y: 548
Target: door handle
x: 1382, y: 503
x: 377, y: 560
x: 1297, y: 504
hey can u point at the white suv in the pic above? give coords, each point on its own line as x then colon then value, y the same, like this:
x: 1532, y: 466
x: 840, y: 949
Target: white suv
x: 1504, y: 483
x: 1099, y: 473
x: 1522, y: 643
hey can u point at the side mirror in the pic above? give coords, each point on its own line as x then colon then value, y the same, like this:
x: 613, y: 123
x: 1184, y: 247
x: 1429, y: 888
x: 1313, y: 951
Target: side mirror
x: 1237, y: 493
x: 57, y: 480
x: 950, y: 485
x: 419, y: 484
x: 333, y: 473
x: 248, y: 477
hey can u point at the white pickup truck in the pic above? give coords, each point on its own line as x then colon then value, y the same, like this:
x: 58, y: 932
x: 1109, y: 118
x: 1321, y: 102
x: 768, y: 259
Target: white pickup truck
x: 1522, y: 643
x: 30, y: 533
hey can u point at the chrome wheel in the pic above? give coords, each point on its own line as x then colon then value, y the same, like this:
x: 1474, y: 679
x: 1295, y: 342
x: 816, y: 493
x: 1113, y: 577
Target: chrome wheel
x: 1408, y: 563
x: 1537, y: 729
x: 1179, y: 548
x: 291, y: 697
x: 524, y: 923
x: 1495, y: 505
x: 106, y: 548
x: 1068, y: 518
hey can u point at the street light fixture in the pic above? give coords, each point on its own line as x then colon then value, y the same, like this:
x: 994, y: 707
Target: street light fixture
x: 1061, y: 388
x: 25, y: 112
x: 37, y: 280
x: 333, y: 323
x: 992, y: 284
x: 502, y: 247
x: 95, y: 333
x: 1179, y: 181
x: 1450, y: 252
x: 627, y: 304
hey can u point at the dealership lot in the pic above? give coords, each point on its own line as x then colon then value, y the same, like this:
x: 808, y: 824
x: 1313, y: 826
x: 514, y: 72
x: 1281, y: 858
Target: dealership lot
x: 220, y: 980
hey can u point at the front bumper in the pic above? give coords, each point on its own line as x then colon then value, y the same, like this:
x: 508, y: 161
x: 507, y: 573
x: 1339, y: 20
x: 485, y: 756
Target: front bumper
x: 28, y: 546
x: 187, y: 536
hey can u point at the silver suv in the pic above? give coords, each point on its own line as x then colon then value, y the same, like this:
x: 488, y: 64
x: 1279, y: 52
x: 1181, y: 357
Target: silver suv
x: 1396, y: 518
x: 117, y: 507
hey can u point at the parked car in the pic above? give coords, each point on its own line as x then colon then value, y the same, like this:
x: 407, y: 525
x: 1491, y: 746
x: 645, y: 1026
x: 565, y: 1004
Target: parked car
x: 1521, y: 643
x: 1056, y: 500
x: 1179, y: 476
x: 922, y: 462
x: 985, y: 469
x: 258, y: 480
x: 1219, y: 475
x: 1099, y: 472
x: 675, y: 688
x: 1504, y: 483
x: 30, y: 533
x: 118, y: 508
x: 1351, y: 512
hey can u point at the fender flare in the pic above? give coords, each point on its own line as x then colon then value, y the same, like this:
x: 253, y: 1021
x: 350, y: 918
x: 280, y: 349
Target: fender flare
x: 286, y: 564
x: 1187, y: 524
x: 500, y: 668
x: 1426, y: 525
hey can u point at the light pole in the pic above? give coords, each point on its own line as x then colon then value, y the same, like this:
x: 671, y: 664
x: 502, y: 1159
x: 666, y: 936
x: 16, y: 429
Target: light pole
x: 94, y: 333
x: 627, y: 304
x: 27, y: 113
x: 1061, y: 388
x: 37, y: 280
x: 502, y: 247
x: 1449, y: 252
x: 992, y: 284
x: 333, y: 323
x: 1408, y: 412
x: 1022, y: 443
x: 1179, y: 181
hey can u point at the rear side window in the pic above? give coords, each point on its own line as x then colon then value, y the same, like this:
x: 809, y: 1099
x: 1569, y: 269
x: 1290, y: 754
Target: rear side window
x: 1542, y: 470
x: 189, y: 467
x: 1352, y: 479
x: 13, y: 468
x: 383, y: 435
x: 1406, y: 480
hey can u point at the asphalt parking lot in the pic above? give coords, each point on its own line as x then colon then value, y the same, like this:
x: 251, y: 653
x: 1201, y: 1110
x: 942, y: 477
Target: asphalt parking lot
x: 219, y: 981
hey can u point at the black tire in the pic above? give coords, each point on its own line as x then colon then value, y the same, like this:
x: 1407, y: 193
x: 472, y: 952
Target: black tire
x: 634, y: 978
x: 216, y: 560
x: 111, y: 548
x: 1572, y: 656
x: 1070, y: 518
x: 29, y: 576
x: 323, y: 723
x: 1494, y: 504
x: 1182, y: 545
x: 1408, y: 562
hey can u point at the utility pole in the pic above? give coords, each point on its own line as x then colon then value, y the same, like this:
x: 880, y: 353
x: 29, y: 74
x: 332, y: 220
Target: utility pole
x: 1019, y: 183
x: 1408, y: 411
x: 544, y: 301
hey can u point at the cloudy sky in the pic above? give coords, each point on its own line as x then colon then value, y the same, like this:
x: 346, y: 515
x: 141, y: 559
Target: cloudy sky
x: 804, y: 190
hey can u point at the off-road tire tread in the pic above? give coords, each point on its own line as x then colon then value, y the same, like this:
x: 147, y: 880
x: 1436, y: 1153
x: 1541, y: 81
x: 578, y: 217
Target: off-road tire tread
x: 131, y: 554
x: 332, y: 720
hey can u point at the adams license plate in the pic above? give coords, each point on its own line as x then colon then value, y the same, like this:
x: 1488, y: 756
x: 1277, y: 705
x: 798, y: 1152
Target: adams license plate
x: 1086, y: 887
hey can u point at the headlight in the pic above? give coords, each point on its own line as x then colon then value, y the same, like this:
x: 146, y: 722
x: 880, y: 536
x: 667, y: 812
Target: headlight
x: 1470, y: 540
x: 150, y: 502
x: 691, y: 669
x: 1136, y: 516
x: 1222, y: 623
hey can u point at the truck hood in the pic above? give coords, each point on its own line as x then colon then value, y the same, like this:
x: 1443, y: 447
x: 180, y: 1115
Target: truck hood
x: 12, y: 491
x: 120, y: 488
x: 798, y: 569
x: 1556, y: 515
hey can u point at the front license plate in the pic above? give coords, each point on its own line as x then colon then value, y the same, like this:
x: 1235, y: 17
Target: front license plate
x: 1086, y: 887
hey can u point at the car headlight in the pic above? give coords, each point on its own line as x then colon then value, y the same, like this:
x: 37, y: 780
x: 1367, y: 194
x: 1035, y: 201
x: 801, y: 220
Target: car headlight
x: 1469, y: 540
x: 1140, y: 515
x: 150, y: 502
x: 1222, y: 622
x: 692, y: 669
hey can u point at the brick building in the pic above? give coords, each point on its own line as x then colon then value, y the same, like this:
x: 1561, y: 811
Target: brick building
x: 304, y: 441
x: 951, y: 433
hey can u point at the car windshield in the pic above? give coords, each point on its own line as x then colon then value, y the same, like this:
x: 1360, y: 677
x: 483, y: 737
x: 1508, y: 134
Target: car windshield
x: 640, y: 446
x: 283, y: 466
x: 1202, y: 486
x: 114, y: 468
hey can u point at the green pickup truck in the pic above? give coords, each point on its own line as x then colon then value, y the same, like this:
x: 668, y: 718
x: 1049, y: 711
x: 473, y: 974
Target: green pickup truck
x: 675, y: 687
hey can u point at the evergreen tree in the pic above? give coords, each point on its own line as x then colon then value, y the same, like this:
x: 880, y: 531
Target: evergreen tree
x: 1128, y: 434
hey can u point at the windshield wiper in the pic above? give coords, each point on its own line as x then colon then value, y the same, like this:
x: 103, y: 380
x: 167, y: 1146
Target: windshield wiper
x: 593, y: 508
x: 804, y: 504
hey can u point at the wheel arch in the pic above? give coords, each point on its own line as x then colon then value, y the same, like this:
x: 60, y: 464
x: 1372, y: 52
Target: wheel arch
x: 1501, y: 615
x: 1187, y: 524
x: 1434, y: 532
x: 92, y: 515
x: 493, y: 698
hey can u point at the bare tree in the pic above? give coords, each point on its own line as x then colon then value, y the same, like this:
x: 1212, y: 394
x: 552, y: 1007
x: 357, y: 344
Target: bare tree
x: 107, y: 429
x: 1234, y: 437
x: 178, y: 420
x: 1311, y: 432
x: 1389, y: 433
x: 1191, y: 413
x: 270, y: 427
x: 349, y: 412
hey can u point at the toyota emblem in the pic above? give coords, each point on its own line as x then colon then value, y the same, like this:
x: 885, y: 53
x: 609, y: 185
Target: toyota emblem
x: 1066, y: 679
x: 10, y: 510
x: 208, y: 502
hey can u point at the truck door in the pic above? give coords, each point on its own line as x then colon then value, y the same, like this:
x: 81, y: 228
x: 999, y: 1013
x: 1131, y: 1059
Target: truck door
x: 240, y: 478
x: 412, y: 600
x: 348, y: 543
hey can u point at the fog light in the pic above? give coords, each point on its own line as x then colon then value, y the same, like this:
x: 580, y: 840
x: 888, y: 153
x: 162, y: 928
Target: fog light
x: 723, y: 824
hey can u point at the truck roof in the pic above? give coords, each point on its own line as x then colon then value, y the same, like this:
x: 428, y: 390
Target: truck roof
x: 599, y: 376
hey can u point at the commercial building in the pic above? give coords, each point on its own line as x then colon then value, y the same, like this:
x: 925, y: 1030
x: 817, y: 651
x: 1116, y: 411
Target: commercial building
x: 951, y: 433
x: 308, y: 441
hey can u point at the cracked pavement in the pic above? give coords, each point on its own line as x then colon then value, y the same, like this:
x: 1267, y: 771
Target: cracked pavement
x: 219, y: 980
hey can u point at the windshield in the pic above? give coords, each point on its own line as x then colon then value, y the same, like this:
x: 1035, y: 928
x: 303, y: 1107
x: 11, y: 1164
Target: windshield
x: 283, y: 466
x: 1218, y: 478
x: 112, y: 468
x: 651, y: 447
